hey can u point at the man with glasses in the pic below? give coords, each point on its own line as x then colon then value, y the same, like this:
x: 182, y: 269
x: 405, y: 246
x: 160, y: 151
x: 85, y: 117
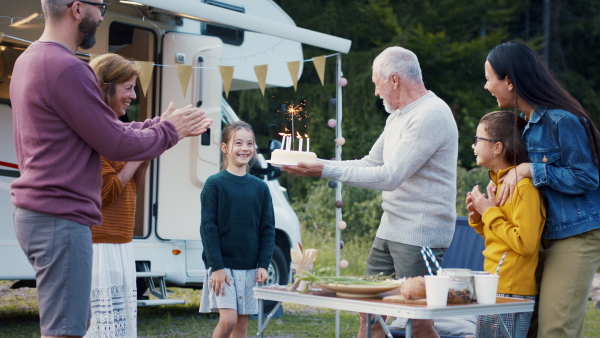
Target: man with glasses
x: 61, y: 126
x: 100, y: 5
x: 414, y: 163
x: 87, y: 26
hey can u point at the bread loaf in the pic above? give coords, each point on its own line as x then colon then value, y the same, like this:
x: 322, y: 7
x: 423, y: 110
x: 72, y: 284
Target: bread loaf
x: 413, y: 288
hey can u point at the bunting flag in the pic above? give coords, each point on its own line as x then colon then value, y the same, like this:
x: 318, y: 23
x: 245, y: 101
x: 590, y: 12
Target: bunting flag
x: 261, y: 76
x: 226, y: 77
x: 319, y: 62
x: 185, y: 73
x: 294, y: 68
x: 146, y: 68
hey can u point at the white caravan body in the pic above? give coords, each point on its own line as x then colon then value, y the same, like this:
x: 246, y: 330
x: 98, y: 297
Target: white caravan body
x: 171, y: 33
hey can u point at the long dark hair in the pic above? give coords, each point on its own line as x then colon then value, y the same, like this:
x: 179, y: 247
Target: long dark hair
x: 536, y: 85
x: 500, y: 126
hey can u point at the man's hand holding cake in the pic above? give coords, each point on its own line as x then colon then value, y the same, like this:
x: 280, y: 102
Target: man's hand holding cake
x: 313, y: 169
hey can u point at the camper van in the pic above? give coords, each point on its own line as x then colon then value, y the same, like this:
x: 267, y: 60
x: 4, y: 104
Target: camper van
x: 203, y: 34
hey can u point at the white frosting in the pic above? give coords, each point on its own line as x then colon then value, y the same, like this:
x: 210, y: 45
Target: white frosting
x: 292, y: 157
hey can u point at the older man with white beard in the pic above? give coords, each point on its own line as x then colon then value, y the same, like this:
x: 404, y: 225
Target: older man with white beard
x: 61, y: 126
x: 414, y: 163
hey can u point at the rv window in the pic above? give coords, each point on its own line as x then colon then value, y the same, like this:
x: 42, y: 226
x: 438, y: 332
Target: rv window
x: 229, y: 35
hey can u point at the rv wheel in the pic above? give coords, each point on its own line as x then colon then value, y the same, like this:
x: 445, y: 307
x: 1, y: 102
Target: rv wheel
x: 278, y: 274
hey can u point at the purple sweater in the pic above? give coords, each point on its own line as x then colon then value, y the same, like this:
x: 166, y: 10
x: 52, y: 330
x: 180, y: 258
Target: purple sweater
x: 61, y: 126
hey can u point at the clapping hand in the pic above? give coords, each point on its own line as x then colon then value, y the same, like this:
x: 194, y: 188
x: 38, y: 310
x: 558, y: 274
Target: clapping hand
x: 206, y: 123
x: 188, y: 121
x: 478, y: 203
x: 474, y: 216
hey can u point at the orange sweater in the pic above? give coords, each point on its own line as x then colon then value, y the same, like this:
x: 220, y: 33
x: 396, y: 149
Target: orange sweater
x: 118, y: 206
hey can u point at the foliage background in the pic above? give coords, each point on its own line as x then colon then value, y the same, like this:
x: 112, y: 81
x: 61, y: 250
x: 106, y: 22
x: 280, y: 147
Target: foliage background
x: 451, y: 39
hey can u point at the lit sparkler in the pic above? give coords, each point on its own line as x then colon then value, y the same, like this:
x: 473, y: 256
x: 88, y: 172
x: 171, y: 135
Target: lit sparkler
x: 293, y: 113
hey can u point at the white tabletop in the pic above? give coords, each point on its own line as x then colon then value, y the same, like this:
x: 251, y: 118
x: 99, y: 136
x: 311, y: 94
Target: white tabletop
x: 379, y: 307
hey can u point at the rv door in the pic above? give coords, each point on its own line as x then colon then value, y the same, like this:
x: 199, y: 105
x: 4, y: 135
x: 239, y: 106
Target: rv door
x: 183, y: 169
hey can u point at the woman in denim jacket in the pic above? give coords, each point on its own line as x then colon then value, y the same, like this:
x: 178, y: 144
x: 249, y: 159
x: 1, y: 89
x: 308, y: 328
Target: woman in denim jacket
x: 564, y: 150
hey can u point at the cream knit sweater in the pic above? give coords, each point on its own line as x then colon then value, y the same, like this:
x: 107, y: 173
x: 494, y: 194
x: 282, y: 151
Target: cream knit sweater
x: 414, y: 163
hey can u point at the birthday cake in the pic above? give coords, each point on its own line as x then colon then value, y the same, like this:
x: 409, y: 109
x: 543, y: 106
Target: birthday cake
x: 291, y: 157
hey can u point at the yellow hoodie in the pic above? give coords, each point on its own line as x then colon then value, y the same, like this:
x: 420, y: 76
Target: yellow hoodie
x: 514, y: 228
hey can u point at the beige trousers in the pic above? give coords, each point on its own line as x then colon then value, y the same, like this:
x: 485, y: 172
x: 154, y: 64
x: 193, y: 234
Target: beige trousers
x: 569, y: 266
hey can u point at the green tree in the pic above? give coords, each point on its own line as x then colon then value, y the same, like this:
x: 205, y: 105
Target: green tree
x: 572, y: 41
x: 451, y: 39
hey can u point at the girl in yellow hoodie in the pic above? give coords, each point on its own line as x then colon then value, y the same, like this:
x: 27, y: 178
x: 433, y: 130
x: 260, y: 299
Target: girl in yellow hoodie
x: 514, y: 228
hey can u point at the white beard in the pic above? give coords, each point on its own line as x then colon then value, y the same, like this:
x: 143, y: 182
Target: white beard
x: 389, y: 109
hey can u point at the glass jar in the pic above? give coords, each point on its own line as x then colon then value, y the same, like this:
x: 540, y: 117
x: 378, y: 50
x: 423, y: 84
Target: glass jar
x: 461, y: 285
x: 299, y: 269
x: 295, y: 270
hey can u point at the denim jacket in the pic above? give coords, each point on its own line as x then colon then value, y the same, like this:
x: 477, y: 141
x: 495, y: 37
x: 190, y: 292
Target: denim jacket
x: 563, y: 169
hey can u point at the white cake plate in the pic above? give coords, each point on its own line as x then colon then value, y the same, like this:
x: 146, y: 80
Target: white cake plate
x: 275, y: 164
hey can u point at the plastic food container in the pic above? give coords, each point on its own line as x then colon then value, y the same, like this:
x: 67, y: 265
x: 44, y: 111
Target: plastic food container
x: 461, y: 285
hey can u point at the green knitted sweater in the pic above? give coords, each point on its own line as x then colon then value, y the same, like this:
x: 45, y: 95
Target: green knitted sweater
x: 237, y: 222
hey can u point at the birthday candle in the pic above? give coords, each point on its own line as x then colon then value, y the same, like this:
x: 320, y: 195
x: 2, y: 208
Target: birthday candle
x: 299, y: 137
x: 288, y: 143
x: 307, y: 143
x: 282, y: 141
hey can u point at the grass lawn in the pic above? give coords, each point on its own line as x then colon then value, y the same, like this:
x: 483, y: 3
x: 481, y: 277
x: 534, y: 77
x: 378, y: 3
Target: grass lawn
x: 19, y: 318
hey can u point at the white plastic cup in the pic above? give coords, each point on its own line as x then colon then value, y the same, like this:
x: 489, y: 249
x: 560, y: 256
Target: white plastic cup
x: 436, y: 288
x: 473, y: 281
x: 487, y: 287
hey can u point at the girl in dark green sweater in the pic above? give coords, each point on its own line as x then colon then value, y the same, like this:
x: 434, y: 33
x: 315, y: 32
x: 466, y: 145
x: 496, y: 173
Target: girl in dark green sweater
x: 238, y: 234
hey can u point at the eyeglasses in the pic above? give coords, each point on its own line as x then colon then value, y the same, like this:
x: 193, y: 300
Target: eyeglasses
x: 101, y: 6
x: 476, y: 138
